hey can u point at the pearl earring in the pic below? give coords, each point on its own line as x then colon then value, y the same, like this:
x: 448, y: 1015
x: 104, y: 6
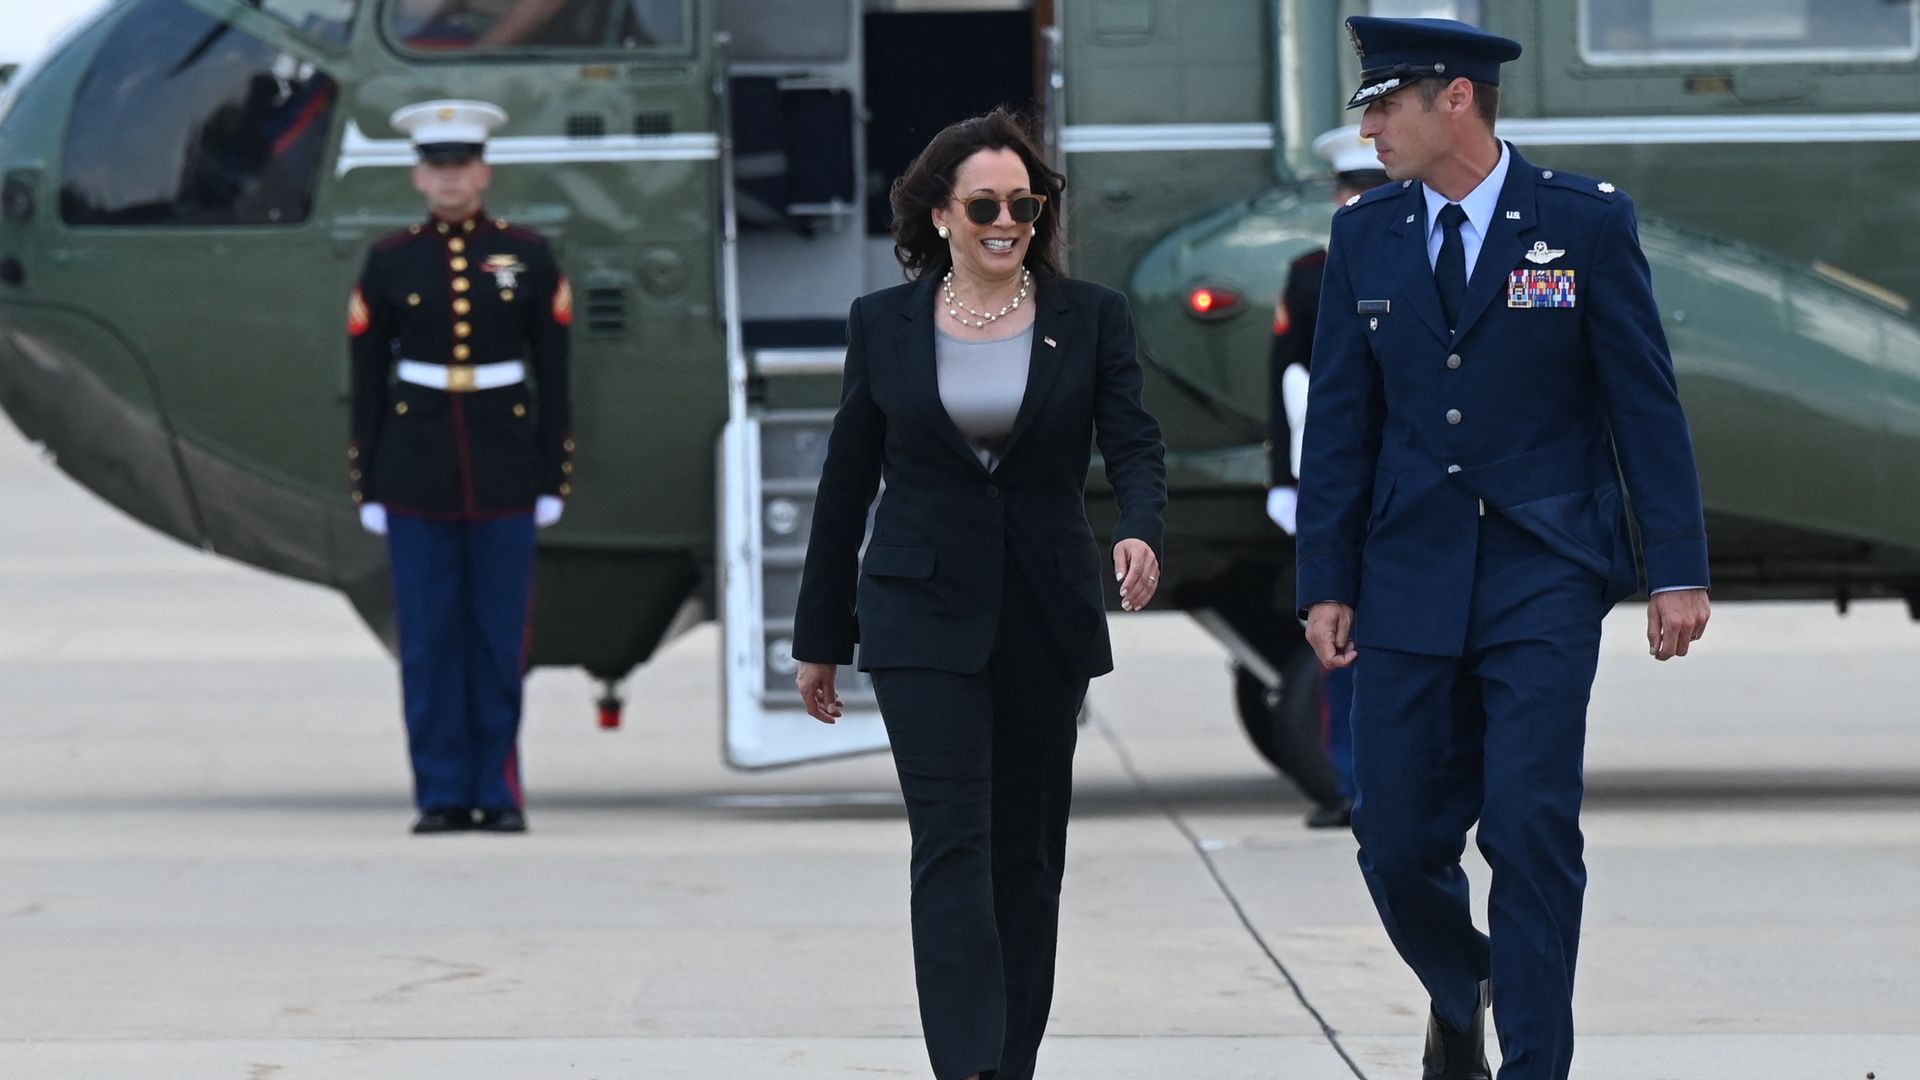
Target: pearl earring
x: 942, y: 230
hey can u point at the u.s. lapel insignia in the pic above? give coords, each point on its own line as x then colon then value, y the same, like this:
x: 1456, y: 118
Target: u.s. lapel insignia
x: 1513, y: 215
x: 1051, y: 344
x: 1542, y: 254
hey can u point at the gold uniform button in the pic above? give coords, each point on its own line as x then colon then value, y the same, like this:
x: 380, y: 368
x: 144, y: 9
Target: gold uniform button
x: 401, y: 408
x: 506, y: 294
x: 354, y: 473
x: 414, y: 229
x: 468, y: 226
x: 461, y: 352
x: 499, y: 223
x: 569, y: 445
x: 462, y: 306
x: 443, y: 228
x: 461, y: 329
x: 357, y: 497
x: 519, y: 410
x: 456, y: 245
x: 353, y: 453
x: 566, y: 489
x: 567, y: 467
x: 413, y: 299
x: 461, y: 284
x: 459, y: 262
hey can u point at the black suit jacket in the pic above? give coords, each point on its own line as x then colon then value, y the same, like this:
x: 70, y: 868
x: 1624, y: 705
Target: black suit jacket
x: 929, y: 592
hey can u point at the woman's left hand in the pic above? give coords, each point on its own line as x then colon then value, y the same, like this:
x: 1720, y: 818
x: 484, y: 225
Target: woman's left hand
x: 1137, y: 569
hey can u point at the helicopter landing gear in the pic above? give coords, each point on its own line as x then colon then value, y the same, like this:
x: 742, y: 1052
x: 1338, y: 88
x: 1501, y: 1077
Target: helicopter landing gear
x: 610, y: 705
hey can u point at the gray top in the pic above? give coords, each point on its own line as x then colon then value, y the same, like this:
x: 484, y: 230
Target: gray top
x: 981, y: 385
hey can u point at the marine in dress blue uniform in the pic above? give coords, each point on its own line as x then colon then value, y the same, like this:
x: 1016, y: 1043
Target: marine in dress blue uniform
x: 1488, y: 368
x: 461, y: 447
x: 1290, y: 365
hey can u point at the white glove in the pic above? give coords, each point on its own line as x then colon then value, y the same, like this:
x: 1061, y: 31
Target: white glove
x: 373, y: 518
x: 546, y: 510
x: 1282, y: 502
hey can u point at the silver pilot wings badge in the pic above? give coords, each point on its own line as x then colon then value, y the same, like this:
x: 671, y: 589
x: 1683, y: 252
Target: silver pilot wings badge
x: 1542, y: 254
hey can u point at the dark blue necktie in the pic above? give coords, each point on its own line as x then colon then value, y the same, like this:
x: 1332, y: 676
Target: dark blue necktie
x: 1450, y: 271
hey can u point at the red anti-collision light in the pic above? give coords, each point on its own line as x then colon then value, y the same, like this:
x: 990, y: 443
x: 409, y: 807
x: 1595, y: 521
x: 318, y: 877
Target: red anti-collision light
x: 1212, y: 302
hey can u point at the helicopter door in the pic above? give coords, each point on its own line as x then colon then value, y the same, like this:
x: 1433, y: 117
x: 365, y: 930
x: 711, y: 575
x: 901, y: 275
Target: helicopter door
x: 794, y: 260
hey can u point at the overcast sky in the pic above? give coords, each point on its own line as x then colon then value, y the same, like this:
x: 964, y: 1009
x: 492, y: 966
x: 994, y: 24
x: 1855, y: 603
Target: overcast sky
x: 29, y: 24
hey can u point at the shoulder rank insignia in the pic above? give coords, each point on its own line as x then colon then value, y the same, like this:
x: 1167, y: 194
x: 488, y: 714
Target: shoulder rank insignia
x: 1542, y: 254
x: 1353, y: 200
x: 1606, y: 188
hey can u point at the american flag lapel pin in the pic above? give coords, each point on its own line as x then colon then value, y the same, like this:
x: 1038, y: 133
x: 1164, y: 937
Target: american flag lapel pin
x: 1051, y: 344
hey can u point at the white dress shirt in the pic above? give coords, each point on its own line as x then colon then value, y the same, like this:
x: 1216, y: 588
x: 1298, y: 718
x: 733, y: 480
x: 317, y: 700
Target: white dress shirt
x: 1479, y: 204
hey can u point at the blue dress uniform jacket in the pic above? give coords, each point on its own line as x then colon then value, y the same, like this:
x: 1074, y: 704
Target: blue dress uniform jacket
x: 1554, y: 386
x: 928, y: 593
x: 460, y: 294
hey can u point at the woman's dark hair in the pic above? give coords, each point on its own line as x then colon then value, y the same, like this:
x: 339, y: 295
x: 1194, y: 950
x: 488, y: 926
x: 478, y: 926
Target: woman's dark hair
x: 928, y: 183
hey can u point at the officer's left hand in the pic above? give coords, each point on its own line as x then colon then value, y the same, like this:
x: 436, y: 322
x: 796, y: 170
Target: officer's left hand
x: 1138, y: 570
x: 1676, y: 620
x: 546, y: 510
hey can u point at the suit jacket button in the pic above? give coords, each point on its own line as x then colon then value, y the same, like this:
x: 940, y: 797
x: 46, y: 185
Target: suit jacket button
x: 1453, y: 361
x: 1453, y: 416
x: 993, y: 491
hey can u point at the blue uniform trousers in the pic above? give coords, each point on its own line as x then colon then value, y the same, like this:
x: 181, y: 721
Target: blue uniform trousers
x: 462, y: 590
x: 1496, y: 736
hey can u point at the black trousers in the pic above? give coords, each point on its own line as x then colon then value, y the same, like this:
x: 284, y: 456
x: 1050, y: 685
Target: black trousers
x: 986, y: 767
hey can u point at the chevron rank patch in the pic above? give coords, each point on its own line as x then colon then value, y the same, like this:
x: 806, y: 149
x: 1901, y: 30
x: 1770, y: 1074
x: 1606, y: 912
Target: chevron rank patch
x: 1540, y: 289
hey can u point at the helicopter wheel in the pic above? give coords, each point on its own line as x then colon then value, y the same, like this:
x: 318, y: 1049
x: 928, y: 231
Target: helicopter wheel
x: 1285, y: 725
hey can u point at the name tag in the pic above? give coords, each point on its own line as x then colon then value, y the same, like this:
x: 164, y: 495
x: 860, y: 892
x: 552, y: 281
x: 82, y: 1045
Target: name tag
x: 1541, y: 289
x: 1375, y: 307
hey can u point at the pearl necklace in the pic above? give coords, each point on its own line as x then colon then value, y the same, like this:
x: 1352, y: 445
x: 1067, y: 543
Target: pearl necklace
x: 955, y: 305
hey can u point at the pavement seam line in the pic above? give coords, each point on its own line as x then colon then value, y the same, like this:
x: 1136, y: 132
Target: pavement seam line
x: 1179, y: 822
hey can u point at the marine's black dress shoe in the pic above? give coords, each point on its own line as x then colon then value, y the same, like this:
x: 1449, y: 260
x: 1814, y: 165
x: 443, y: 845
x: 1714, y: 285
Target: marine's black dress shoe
x: 450, y: 819
x: 1337, y: 816
x: 504, y: 819
x: 1457, y: 1055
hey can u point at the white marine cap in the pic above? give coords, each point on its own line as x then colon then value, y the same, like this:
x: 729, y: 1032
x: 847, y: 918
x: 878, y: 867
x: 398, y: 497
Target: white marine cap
x: 449, y: 130
x: 1346, y: 151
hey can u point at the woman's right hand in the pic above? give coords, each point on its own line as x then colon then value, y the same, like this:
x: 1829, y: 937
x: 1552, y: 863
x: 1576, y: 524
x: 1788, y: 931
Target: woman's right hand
x: 816, y: 690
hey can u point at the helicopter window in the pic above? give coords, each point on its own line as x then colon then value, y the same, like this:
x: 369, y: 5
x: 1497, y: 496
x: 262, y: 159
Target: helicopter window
x: 1748, y: 31
x: 1467, y: 11
x: 184, y: 120
x: 441, y: 26
x: 325, y: 21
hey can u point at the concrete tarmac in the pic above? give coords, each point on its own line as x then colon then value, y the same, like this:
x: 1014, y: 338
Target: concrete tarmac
x: 205, y: 871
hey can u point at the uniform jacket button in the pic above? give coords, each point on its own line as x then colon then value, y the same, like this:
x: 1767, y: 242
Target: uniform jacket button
x: 1453, y: 361
x: 993, y: 491
x: 1453, y: 416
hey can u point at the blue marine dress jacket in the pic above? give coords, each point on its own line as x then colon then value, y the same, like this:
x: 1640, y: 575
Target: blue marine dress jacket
x: 1556, y: 386
x: 927, y: 593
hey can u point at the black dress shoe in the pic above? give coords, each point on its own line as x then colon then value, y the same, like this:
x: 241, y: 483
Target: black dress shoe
x: 1457, y: 1055
x: 505, y: 819
x: 1337, y: 816
x: 456, y: 819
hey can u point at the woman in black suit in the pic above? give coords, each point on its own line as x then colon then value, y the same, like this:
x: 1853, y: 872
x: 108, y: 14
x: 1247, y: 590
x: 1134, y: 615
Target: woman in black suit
x: 977, y: 391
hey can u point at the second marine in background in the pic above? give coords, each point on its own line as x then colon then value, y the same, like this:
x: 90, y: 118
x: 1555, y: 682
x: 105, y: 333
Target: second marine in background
x: 1295, y: 315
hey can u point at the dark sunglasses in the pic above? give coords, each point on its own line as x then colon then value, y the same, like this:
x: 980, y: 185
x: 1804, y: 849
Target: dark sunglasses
x: 982, y: 210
